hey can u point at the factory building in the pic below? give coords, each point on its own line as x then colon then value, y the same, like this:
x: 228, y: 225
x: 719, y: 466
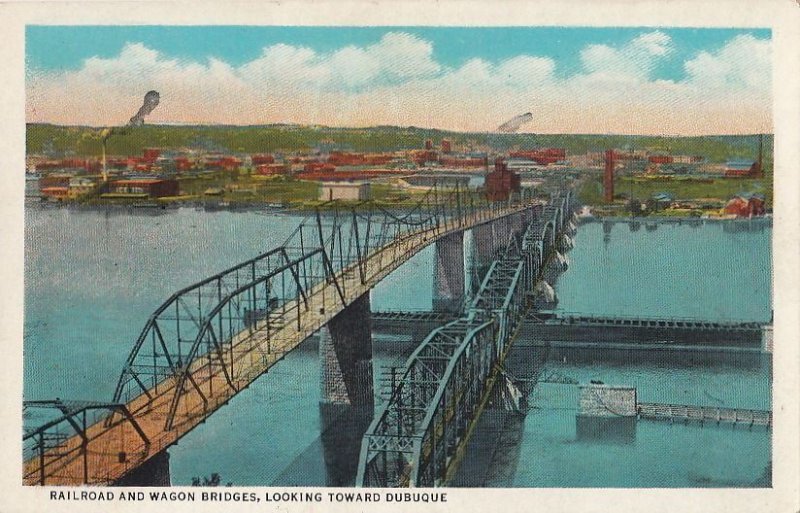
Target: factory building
x: 345, y: 191
x: 542, y: 156
x: 501, y: 182
x: 272, y: 169
x: 736, y: 168
x: 143, y: 187
x: 261, y: 159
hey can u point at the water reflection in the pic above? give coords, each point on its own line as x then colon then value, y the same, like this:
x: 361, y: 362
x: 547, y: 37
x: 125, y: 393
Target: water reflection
x: 343, y: 427
x: 614, y: 430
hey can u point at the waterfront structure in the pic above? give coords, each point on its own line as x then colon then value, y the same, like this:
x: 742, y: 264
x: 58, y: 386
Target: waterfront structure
x: 143, y: 187
x: 345, y: 191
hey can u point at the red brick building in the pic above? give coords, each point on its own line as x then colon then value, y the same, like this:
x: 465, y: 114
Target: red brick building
x: 745, y: 206
x: 501, y: 182
x: 542, y: 156
x: 262, y: 159
x: 153, y: 188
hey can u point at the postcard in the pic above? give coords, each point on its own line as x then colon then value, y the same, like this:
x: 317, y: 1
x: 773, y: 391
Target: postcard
x: 452, y: 256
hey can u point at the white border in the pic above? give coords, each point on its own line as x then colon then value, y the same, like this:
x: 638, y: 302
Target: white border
x: 783, y: 16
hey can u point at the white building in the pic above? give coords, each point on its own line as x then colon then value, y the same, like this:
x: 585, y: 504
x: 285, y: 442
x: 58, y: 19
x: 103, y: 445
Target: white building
x: 348, y: 191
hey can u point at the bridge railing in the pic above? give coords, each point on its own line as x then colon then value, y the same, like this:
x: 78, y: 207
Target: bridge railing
x: 71, y: 435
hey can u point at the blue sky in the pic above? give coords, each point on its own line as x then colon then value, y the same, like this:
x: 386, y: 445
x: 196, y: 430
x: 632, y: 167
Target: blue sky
x: 577, y: 59
x: 65, y: 47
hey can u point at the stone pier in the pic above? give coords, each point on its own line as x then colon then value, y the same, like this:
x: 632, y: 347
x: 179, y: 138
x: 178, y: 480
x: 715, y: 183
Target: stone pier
x: 448, y: 277
x: 606, y: 413
x: 345, y: 349
x: 482, y: 252
x: 154, y: 472
x: 347, y: 401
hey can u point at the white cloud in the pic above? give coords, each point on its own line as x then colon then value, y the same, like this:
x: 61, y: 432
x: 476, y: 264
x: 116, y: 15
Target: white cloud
x: 398, y: 81
x: 743, y: 63
x: 634, y: 60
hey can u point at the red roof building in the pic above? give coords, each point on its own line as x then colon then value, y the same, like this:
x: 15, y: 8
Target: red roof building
x: 745, y: 206
x: 262, y: 159
x: 542, y: 156
x: 154, y: 188
x: 151, y: 154
x: 272, y: 169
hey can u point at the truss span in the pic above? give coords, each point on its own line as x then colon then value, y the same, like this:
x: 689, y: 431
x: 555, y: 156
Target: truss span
x: 210, y: 340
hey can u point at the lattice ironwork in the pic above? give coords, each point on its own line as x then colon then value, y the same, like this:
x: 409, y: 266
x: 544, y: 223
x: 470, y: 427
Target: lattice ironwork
x: 415, y: 439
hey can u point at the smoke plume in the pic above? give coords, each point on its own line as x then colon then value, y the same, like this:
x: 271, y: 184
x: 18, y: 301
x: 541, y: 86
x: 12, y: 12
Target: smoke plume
x: 515, y: 123
x: 150, y: 102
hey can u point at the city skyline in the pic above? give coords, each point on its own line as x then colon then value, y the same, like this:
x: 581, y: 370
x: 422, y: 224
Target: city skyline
x: 572, y: 80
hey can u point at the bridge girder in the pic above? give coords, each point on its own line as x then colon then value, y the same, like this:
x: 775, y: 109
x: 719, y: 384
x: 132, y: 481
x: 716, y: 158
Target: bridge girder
x: 396, y: 452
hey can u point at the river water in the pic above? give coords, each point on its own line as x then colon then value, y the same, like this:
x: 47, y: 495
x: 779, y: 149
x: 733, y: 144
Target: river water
x: 93, y: 277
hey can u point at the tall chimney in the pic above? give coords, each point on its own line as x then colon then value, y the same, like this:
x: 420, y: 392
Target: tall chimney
x: 608, y: 178
x: 760, y: 170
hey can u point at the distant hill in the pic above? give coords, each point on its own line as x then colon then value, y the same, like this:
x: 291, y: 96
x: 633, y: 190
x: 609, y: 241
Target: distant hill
x: 270, y: 138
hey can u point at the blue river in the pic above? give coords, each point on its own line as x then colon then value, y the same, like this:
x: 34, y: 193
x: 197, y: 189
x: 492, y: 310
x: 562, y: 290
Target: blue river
x: 92, y: 277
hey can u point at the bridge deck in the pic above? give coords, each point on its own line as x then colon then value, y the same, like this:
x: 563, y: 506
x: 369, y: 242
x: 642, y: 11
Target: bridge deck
x: 252, y: 355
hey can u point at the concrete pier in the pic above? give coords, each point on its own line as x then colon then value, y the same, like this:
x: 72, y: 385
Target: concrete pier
x: 606, y: 413
x: 448, y: 277
x: 154, y: 472
x: 345, y: 349
x: 347, y: 399
x: 482, y: 252
x: 767, y: 340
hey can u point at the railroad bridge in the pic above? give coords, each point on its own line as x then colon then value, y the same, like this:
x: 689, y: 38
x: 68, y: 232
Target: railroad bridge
x: 211, y: 340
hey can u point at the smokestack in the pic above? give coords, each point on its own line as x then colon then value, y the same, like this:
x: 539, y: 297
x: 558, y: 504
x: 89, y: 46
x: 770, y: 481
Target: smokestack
x: 608, y: 178
x: 760, y: 170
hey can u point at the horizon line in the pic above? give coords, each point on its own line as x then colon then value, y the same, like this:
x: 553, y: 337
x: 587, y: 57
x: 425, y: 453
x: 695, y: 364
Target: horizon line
x: 409, y: 127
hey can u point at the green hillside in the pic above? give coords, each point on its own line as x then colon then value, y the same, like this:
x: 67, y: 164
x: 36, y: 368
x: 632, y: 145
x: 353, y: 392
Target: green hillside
x: 81, y: 141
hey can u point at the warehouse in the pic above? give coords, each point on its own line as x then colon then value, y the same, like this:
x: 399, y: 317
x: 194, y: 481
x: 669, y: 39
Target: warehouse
x: 144, y: 187
x: 347, y: 191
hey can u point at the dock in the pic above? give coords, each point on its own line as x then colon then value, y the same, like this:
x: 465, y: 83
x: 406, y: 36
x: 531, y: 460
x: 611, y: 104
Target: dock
x: 702, y: 414
x: 576, y: 328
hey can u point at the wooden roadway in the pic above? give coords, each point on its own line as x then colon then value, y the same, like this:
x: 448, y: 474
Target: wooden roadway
x: 115, y: 448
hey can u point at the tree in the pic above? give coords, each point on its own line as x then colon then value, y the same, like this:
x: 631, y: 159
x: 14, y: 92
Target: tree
x: 214, y: 480
x: 635, y: 206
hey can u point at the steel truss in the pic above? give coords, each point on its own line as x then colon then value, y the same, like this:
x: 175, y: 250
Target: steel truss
x: 68, y: 436
x: 415, y: 439
x: 228, y: 322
